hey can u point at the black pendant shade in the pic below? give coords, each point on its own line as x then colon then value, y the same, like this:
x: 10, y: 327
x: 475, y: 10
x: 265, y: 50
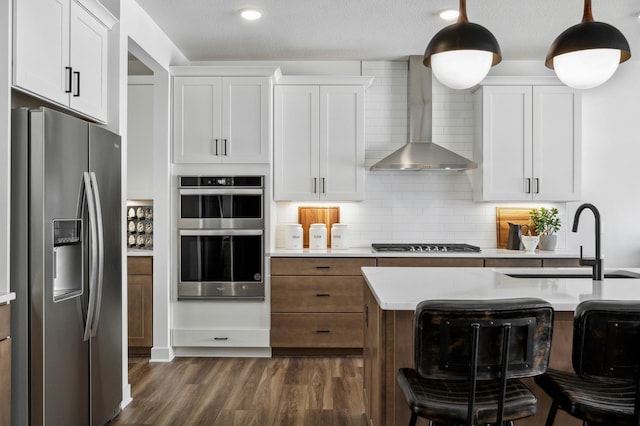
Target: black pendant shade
x: 588, y: 34
x: 463, y: 36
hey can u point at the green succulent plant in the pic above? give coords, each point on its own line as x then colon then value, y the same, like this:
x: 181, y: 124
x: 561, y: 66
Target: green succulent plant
x: 546, y: 221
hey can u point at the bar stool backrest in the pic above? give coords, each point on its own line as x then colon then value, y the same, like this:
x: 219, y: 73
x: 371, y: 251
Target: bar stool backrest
x: 444, y: 338
x: 606, y: 339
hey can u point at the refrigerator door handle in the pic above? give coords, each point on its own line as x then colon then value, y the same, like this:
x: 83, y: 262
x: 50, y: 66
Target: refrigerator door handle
x: 100, y: 228
x: 94, y: 255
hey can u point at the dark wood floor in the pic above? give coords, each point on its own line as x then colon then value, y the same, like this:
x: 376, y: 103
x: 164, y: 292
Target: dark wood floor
x: 246, y: 391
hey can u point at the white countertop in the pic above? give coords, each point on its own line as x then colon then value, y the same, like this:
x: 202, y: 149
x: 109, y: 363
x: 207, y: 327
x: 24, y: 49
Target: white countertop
x: 139, y: 252
x: 6, y: 297
x: 369, y: 252
x: 402, y: 288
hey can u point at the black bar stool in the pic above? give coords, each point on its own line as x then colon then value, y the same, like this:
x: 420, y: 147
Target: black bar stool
x: 469, y: 355
x: 605, y: 356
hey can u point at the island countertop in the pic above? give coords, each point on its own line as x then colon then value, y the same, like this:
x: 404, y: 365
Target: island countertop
x: 402, y: 288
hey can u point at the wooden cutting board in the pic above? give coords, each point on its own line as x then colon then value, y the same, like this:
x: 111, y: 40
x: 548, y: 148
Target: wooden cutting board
x: 309, y: 215
x: 504, y: 215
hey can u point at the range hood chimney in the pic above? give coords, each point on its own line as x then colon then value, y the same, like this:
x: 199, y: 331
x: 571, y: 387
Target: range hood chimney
x: 421, y: 153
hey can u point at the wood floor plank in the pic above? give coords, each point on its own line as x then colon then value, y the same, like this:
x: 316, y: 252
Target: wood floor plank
x: 276, y: 391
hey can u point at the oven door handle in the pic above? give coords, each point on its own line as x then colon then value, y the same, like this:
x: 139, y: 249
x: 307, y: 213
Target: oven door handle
x: 220, y: 232
x: 220, y: 191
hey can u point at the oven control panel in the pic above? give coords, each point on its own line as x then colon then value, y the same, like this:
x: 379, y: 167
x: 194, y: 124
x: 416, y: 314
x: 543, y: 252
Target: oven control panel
x: 227, y: 181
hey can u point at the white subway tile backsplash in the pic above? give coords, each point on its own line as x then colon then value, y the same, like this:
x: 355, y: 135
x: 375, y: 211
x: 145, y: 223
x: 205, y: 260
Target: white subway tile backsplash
x: 418, y: 207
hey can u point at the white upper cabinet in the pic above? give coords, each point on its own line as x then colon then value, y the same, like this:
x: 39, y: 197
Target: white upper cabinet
x: 528, y: 143
x: 319, y: 142
x: 221, y: 119
x: 60, y: 53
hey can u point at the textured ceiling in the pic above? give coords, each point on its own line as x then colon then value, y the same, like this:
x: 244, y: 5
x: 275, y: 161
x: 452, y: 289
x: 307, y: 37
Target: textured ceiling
x: 209, y: 30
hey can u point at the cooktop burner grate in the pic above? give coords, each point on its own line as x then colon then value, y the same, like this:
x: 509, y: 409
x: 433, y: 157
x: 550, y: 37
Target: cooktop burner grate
x: 425, y: 248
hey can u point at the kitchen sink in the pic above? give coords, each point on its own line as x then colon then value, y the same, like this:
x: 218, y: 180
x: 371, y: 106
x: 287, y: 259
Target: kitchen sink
x: 566, y: 274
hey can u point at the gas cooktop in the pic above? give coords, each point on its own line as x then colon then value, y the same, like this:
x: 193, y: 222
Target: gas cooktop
x: 425, y: 248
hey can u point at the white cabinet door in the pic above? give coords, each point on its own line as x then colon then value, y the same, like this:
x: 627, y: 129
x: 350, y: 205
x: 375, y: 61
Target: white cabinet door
x: 246, y: 117
x: 41, y: 48
x: 197, y: 118
x: 296, y: 132
x: 89, y: 55
x: 557, y: 155
x: 506, y: 141
x: 222, y: 120
x: 528, y: 143
x: 60, y: 53
x: 341, y: 143
x: 319, y: 142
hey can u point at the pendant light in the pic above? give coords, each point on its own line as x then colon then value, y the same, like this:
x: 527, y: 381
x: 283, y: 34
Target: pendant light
x: 587, y: 54
x: 462, y: 54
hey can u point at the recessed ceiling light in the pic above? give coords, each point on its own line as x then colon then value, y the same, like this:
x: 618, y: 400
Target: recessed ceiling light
x: 449, y: 14
x: 250, y: 14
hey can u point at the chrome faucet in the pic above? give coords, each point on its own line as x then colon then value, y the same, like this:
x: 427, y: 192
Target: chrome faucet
x: 595, y: 263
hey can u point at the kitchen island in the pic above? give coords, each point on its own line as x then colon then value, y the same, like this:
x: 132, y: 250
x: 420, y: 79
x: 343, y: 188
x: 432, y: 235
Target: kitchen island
x: 392, y: 294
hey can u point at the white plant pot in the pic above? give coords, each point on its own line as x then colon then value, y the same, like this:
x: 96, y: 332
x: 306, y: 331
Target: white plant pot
x: 548, y: 242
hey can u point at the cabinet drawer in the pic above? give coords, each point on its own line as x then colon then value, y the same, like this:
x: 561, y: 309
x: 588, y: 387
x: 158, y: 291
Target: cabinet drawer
x: 5, y: 321
x: 561, y: 263
x: 220, y: 338
x: 513, y: 263
x: 433, y: 262
x: 316, y: 330
x: 317, y: 294
x: 139, y: 265
x: 319, y: 265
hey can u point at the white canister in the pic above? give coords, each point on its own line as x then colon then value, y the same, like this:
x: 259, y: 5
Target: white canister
x: 293, y: 237
x: 339, y: 236
x: 318, y: 236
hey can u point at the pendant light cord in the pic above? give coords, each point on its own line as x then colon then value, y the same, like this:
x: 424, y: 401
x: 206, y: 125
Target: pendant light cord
x: 462, y: 12
x: 587, y: 16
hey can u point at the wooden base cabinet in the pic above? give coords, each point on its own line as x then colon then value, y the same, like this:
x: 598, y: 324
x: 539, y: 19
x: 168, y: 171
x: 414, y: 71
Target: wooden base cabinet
x: 140, y: 304
x: 316, y: 304
x: 5, y: 365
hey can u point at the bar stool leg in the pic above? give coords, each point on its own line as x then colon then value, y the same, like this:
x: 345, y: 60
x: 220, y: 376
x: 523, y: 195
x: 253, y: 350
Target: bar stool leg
x: 552, y: 414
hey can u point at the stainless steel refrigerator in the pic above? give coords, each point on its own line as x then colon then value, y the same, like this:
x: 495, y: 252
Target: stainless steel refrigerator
x: 65, y: 270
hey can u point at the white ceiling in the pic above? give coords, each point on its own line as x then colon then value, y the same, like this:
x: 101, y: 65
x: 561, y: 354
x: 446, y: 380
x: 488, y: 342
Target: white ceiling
x: 212, y: 30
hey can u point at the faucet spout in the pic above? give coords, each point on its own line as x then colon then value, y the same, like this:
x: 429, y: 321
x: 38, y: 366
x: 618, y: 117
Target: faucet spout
x: 596, y: 262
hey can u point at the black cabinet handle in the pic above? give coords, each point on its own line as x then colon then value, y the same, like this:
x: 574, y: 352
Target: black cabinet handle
x: 323, y: 267
x: 69, y: 80
x: 77, y: 74
x: 215, y: 143
x: 225, y: 147
x: 323, y: 331
x: 220, y: 338
x: 366, y: 315
x: 323, y: 295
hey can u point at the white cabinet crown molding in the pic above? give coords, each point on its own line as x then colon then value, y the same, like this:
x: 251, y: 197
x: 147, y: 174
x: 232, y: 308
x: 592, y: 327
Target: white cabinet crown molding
x: 98, y: 10
x: 226, y: 71
x: 328, y: 80
x: 519, y: 80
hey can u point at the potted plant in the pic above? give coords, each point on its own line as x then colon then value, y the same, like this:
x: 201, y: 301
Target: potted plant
x: 547, y: 223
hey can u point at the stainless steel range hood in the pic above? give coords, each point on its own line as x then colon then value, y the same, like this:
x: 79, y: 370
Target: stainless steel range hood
x: 421, y: 153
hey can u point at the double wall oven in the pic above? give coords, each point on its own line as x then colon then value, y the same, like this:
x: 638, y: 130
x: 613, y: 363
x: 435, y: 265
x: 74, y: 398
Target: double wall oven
x: 221, y: 237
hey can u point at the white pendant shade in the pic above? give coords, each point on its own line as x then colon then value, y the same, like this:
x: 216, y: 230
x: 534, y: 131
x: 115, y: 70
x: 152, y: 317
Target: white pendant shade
x: 461, y: 69
x: 585, y: 69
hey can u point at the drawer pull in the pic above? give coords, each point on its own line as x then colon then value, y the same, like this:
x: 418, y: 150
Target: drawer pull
x: 220, y: 338
x: 323, y: 267
x: 323, y: 295
x: 323, y: 331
